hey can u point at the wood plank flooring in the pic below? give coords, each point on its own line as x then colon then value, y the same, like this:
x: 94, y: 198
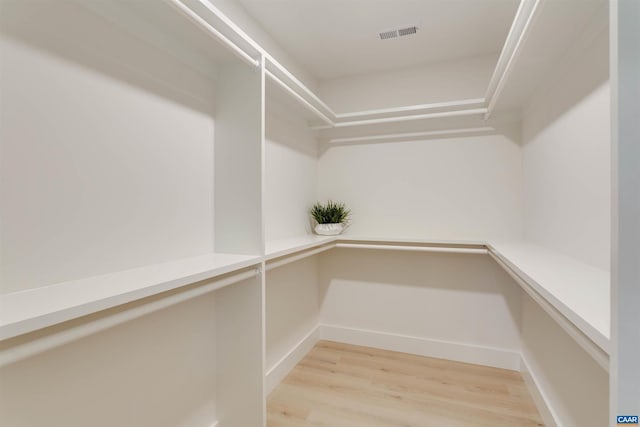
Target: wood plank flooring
x: 340, y: 385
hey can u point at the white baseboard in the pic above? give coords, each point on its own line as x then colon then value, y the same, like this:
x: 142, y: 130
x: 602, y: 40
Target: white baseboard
x: 542, y: 401
x: 461, y: 352
x: 281, y: 369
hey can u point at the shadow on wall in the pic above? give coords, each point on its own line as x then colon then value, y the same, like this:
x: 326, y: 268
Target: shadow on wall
x: 421, y: 294
x: 584, y: 69
x: 71, y: 32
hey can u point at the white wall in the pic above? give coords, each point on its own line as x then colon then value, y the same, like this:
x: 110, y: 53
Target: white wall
x: 456, y: 306
x: 573, y: 384
x: 566, y: 152
x: 291, y: 173
x: 448, y: 81
x: 106, y: 153
x: 158, y: 370
x: 458, y: 188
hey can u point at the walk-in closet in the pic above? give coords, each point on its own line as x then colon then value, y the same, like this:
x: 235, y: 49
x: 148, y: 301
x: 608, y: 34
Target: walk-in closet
x: 159, y: 265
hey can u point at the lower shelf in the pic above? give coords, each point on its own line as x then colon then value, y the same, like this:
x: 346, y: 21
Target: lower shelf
x: 33, y: 309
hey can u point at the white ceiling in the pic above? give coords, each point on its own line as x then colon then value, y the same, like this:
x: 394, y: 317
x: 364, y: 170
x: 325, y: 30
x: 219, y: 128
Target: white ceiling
x: 334, y: 38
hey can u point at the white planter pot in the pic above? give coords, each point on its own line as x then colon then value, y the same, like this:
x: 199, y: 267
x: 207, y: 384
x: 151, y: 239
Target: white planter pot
x: 329, y: 229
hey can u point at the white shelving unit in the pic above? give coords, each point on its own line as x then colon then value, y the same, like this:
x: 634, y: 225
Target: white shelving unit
x: 575, y: 294
x: 578, y: 292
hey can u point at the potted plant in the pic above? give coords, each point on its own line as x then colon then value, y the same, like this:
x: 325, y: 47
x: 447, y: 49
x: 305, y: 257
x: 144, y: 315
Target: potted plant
x: 331, y: 218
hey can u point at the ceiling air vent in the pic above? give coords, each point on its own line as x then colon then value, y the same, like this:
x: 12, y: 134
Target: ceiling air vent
x: 388, y: 34
x: 400, y: 32
x: 407, y: 31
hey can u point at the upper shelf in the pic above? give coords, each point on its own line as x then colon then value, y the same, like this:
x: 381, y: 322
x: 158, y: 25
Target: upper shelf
x: 541, y: 32
x: 186, y: 27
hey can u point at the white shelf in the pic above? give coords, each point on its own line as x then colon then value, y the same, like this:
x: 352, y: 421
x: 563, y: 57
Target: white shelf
x: 349, y: 238
x: 578, y: 291
x: 293, y: 245
x: 26, y: 311
x: 575, y: 294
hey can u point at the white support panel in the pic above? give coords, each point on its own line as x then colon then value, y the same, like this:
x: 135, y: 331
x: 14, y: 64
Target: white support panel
x: 30, y: 310
x: 580, y: 292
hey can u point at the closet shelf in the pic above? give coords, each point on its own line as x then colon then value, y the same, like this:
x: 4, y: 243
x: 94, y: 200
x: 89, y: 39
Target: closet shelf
x: 574, y: 294
x: 26, y: 311
x: 189, y: 25
x: 580, y: 292
x: 293, y: 245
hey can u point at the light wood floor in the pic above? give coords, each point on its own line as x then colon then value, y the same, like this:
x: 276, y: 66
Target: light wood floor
x: 341, y: 385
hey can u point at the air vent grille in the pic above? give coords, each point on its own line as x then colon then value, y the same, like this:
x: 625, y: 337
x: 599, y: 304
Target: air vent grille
x: 388, y: 34
x: 407, y: 31
x: 400, y: 32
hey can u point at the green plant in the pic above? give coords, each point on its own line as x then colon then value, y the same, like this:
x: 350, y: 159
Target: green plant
x: 330, y: 213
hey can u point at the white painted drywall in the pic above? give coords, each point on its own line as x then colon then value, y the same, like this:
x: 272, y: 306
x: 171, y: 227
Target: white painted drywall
x: 443, y: 305
x: 574, y: 386
x: 291, y: 173
x: 158, y: 370
x: 448, y: 81
x: 566, y: 157
x: 106, y: 149
x: 458, y: 188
